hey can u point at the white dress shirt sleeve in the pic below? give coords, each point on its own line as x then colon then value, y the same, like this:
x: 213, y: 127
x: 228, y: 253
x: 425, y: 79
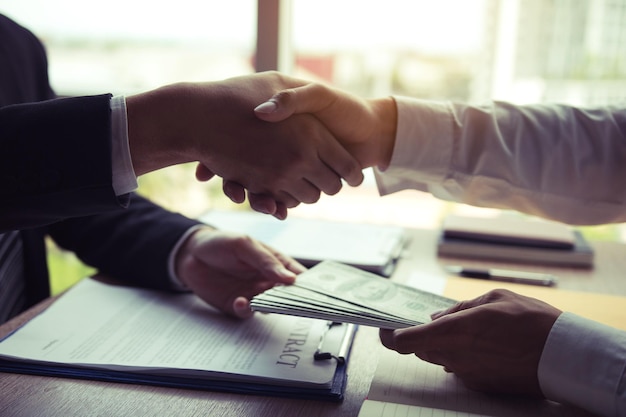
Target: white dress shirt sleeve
x: 175, y: 281
x: 584, y: 364
x: 553, y: 161
x: 124, y: 178
x: 557, y: 162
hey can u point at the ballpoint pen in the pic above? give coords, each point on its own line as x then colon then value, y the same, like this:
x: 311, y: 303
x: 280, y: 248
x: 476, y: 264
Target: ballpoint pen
x: 505, y: 275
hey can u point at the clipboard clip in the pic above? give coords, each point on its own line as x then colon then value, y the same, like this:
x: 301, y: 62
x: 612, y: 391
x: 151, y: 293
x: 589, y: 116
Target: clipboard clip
x: 323, y: 352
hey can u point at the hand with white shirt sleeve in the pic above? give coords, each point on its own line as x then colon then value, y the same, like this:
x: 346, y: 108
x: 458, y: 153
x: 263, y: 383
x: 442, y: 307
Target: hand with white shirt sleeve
x: 493, y: 343
x: 366, y: 128
x: 226, y: 270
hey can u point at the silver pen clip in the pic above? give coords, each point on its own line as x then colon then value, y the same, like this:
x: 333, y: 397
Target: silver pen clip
x: 324, y: 353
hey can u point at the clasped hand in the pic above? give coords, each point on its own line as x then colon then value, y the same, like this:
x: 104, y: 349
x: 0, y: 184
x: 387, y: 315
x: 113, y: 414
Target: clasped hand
x: 363, y: 128
x: 214, y: 124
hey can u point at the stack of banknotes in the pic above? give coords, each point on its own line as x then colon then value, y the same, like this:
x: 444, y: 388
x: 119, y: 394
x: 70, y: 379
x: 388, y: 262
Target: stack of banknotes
x: 341, y: 293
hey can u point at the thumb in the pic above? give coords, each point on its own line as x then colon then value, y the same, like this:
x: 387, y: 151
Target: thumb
x: 311, y: 98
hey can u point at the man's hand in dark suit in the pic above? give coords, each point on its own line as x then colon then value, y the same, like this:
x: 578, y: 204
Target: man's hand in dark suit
x: 226, y: 270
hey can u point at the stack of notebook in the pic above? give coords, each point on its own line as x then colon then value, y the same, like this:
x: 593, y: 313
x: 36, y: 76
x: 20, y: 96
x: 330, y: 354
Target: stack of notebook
x: 514, y: 239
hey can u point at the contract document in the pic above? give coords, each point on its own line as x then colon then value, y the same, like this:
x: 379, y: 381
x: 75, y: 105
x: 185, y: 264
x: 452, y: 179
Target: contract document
x: 118, y: 333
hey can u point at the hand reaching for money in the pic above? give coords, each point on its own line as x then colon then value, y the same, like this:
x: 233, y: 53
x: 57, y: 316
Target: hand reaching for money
x: 493, y: 343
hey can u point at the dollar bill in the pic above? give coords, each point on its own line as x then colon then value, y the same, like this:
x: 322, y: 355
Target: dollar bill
x: 338, y: 290
x: 284, y: 300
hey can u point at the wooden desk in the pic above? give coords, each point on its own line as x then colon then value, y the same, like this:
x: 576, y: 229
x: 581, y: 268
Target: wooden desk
x: 24, y: 395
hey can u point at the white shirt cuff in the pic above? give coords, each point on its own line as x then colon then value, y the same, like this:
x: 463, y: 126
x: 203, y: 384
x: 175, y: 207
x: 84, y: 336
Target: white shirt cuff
x: 171, y: 261
x: 124, y: 178
x: 423, y: 146
x: 583, y: 364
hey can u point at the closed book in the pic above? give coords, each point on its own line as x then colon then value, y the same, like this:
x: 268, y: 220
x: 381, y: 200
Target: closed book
x: 514, y: 240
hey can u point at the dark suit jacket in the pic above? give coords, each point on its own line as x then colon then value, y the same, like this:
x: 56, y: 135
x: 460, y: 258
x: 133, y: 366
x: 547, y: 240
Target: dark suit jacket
x: 55, y: 177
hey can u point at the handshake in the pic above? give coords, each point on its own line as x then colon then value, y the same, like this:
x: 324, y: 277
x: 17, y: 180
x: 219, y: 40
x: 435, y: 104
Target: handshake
x: 280, y: 140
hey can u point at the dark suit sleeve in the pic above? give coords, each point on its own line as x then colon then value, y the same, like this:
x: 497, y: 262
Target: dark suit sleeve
x: 55, y: 170
x: 55, y: 156
x: 23, y: 65
x: 132, y: 244
x: 55, y: 161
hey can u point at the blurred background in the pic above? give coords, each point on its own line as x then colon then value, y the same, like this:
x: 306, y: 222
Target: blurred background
x: 521, y: 51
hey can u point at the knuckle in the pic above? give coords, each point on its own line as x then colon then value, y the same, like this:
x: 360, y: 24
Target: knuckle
x: 285, y: 97
x: 242, y: 242
x: 496, y: 295
x: 274, y: 74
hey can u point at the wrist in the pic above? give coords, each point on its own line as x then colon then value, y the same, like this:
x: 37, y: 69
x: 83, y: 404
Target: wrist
x: 386, y: 114
x: 184, y: 248
x: 156, y: 136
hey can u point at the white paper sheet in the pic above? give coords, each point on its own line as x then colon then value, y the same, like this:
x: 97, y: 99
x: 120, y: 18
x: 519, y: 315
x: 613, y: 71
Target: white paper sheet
x: 104, y: 326
x: 373, y: 408
x: 420, y: 387
x: 367, y: 246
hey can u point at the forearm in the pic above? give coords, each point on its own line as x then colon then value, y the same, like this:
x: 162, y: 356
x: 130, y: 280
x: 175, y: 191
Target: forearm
x: 134, y: 245
x: 156, y: 128
x: 384, y: 116
x: 553, y: 161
